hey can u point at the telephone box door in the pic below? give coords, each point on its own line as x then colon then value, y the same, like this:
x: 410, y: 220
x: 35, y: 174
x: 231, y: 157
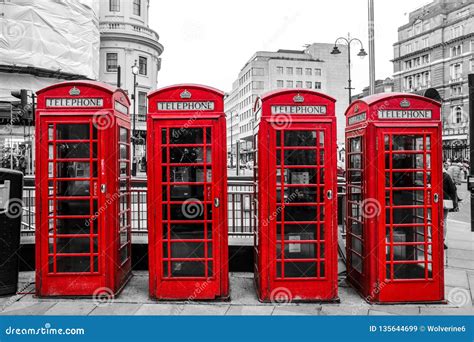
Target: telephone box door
x: 411, y: 201
x: 304, y: 205
x: 74, y: 246
x: 188, y: 251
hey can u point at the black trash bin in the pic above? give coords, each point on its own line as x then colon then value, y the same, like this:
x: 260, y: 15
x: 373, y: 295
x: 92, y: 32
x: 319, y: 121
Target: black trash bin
x: 11, y: 209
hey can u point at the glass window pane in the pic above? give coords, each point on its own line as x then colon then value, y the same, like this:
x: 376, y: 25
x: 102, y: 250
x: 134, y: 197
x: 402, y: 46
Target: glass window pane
x: 300, y: 138
x: 188, y: 269
x: 186, y: 135
x: 72, y: 131
x: 67, y: 264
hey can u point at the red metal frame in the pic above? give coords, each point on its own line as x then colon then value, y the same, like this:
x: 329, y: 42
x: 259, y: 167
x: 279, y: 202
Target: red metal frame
x: 394, y: 198
x: 301, y: 221
x: 80, y: 191
x: 187, y: 206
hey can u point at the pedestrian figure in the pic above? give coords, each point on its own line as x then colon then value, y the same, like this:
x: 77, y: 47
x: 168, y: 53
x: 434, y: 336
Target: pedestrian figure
x: 450, y: 201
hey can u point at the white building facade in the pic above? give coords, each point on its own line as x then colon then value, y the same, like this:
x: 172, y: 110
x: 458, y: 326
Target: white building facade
x: 313, y: 68
x: 126, y: 39
x: 42, y: 43
x: 435, y: 49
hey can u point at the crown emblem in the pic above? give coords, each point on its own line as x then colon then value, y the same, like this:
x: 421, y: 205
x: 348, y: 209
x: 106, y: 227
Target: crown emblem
x: 356, y: 108
x: 74, y: 92
x: 185, y: 94
x: 298, y: 98
x: 405, y: 103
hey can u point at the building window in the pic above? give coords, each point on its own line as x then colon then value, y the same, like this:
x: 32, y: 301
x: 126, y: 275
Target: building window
x: 317, y: 72
x: 457, y: 31
x: 425, y: 59
x: 299, y: 84
x: 426, y: 26
x: 114, y: 5
x: 279, y: 83
x: 308, y: 71
x: 457, y: 117
x: 425, y: 42
x: 257, y: 84
x: 309, y: 84
x: 142, y: 99
x: 112, y: 62
x: 142, y: 65
x: 299, y: 71
x: 456, y: 50
x: 289, y: 71
x: 258, y: 71
x: 137, y: 7
x: 456, y: 71
x: 289, y: 84
x: 280, y: 70
x: 456, y: 91
x: 317, y: 85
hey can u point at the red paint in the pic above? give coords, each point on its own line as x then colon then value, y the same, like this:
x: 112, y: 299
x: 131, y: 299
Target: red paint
x: 400, y: 169
x: 307, y: 210
x: 78, y: 245
x: 187, y: 178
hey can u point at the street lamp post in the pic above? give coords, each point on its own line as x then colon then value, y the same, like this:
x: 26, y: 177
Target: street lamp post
x: 232, y: 137
x: 335, y: 51
x: 135, y: 71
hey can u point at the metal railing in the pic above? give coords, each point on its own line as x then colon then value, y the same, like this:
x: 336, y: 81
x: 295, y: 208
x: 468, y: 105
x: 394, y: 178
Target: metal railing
x: 240, y: 206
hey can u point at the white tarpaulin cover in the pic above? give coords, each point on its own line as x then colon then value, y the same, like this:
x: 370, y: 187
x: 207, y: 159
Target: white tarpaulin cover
x: 59, y: 35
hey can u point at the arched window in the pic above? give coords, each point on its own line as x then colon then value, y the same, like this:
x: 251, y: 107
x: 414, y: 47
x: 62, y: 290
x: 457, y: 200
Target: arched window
x: 457, y: 115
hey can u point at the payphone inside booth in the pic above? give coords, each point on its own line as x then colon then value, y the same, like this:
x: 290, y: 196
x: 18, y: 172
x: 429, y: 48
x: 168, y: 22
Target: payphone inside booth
x: 395, y: 198
x: 296, y: 182
x: 83, y: 215
x: 187, y: 191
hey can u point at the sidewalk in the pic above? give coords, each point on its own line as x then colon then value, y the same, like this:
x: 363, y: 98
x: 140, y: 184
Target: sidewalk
x: 459, y: 289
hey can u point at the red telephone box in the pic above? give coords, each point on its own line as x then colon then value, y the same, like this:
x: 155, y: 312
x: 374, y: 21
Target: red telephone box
x: 82, y: 190
x: 394, y: 198
x: 187, y: 206
x: 296, y: 241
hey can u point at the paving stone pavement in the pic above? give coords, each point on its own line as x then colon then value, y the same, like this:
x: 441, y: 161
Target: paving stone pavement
x: 134, y: 300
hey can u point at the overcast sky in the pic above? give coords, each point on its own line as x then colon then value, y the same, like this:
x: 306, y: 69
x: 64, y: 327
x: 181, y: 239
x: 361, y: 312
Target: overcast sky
x: 209, y: 41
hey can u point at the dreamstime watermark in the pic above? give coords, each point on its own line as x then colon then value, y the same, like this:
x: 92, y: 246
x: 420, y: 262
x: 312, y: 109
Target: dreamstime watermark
x: 192, y: 208
x: 370, y: 208
x: 12, y: 30
x: 456, y: 118
x: 108, y: 202
x: 103, y: 296
x: 376, y: 290
x: 47, y: 329
x: 18, y: 294
x: 281, y: 121
x: 198, y: 289
x: 178, y: 133
x: 14, y: 208
x: 273, y: 215
x: 103, y: 120
x: 281, y: 296
x: 459, y: 297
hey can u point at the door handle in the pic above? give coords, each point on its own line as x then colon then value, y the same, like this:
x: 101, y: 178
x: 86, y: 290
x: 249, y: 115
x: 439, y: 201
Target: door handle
x: 329, y: 194
x: 436, y: 198
x: 216, y: 202
x: 103, y: 188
